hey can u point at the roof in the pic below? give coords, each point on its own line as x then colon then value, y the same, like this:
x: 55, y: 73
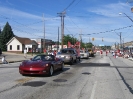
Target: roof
x: 24, y: 40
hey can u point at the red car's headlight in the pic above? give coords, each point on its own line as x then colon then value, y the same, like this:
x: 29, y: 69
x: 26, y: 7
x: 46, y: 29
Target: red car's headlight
x: 45, y: 65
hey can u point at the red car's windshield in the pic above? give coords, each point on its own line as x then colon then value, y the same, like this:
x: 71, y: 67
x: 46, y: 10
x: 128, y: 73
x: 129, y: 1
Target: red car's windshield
x: 43, y: 58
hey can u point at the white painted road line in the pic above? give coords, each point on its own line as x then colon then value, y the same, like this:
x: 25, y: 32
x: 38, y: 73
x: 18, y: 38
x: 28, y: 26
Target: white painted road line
x: 93, y: 90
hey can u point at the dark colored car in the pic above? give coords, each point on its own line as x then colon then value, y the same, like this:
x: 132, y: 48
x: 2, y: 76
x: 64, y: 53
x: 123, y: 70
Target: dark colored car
x: 42, y: 65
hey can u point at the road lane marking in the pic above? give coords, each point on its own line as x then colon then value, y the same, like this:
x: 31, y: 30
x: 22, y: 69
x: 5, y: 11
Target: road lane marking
x: 93, y: 90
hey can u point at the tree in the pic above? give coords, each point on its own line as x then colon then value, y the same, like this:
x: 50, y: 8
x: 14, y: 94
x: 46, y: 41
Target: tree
x: 89, y: 45
x: 0, y: 30
x: 67, y: 38
x: 5, y: 36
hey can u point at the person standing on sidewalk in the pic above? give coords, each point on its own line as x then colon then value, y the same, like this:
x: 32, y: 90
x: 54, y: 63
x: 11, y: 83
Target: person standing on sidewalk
x: 4, y: 60
x: 25, y: 53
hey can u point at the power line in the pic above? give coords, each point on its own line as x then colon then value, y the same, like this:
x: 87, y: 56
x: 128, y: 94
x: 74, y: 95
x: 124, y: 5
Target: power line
x: 73, y: 22
x: 27, y: 26
x: 69, y: 5
x: 76, y: 3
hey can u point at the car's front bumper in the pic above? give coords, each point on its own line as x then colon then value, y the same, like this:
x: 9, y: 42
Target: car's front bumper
x: 33, y: 71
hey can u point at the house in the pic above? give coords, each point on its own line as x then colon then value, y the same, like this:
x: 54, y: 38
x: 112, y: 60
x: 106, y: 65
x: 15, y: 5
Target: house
x: 18, y: 44
x: 48, y: 44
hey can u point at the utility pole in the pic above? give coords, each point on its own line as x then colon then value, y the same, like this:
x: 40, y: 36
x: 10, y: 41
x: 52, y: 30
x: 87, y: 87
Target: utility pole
x: 58, y: 40
x: 44, y: 33
x: 120, y: 40
x: 62, y: 15
x: 123, y: 44
x: 80, y: 39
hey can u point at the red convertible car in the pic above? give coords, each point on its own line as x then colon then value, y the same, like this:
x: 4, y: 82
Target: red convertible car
x: 42, y: 65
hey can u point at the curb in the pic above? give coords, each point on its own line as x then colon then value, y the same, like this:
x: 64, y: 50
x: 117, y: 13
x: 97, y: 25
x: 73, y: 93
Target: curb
x: 14, y: 61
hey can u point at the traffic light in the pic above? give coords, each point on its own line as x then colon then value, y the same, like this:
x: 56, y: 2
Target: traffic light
x: 93, y: 39
x: 102, y: 39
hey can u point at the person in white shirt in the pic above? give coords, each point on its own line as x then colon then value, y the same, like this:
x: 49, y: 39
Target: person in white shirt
x: 25, y: 53
x: 4, y: 60
x: 50, y: 52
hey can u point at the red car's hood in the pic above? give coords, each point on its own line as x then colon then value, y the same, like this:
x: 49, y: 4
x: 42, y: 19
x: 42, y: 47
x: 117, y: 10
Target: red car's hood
x: 34, y: 63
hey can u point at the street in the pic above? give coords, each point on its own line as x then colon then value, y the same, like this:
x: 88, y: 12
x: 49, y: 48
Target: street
x: 93, y: 78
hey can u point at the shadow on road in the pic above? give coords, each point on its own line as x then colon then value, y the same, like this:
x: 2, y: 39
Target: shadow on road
x: 99, y: 65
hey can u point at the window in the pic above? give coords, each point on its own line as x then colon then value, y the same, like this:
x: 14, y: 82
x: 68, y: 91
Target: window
x: 10, y: 47
x: 18, y: 47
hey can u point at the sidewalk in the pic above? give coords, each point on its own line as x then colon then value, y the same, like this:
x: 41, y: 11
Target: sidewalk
x: 128, y: 61
x: 14, y: 57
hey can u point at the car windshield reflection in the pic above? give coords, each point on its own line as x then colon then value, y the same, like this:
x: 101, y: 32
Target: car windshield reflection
x: 66, y: 51
x: 43, y: 58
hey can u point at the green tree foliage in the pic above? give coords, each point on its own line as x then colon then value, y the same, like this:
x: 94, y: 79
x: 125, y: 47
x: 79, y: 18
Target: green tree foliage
x: 5, y: 36
x: 73, y: 40
x: 69, y: 38
x: 66, y: 39
x: 89, y: 45
x: 0, y: 30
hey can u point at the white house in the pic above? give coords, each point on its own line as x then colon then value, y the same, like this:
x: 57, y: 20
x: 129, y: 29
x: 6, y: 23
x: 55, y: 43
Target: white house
x: 18, y: 44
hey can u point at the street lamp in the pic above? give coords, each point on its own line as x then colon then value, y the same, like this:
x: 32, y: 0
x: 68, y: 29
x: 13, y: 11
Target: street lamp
x: 126, y: 16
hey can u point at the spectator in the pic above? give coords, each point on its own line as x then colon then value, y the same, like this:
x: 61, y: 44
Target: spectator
x: 25, y: 53
x: 113, y: 53
x: 106, y: 52
x: 50, y: 52
x: 101, y: 53
x: 45, y: 52
x: 78, y: 52
x: 54, y: 53
x: 36, y: 50
x: 4, y: 60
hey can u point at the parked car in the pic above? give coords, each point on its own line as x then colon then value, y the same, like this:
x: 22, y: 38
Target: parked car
x: 68, y: 55
x: 84, y: 54
x: 42, y: 65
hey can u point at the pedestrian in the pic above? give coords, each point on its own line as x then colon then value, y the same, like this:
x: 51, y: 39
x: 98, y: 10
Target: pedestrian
x: 101, y: 53
x: 50, y: 52
x: 36, y: 50
x: 25, y: 53
x: 45, y: 51
x: 106, y: 52
x: 78, y: 52
x: 4, y: 60
x: 54, y: 52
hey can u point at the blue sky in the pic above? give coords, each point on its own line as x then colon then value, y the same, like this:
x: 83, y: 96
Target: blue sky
x: 99, y: 18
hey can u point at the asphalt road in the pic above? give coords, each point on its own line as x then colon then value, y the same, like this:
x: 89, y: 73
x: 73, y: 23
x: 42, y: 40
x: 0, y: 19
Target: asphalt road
x: 94, y: 78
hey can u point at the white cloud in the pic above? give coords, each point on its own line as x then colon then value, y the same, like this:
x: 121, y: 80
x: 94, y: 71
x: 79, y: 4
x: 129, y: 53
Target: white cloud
x: 17, y: 13
x: 110, y: 10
